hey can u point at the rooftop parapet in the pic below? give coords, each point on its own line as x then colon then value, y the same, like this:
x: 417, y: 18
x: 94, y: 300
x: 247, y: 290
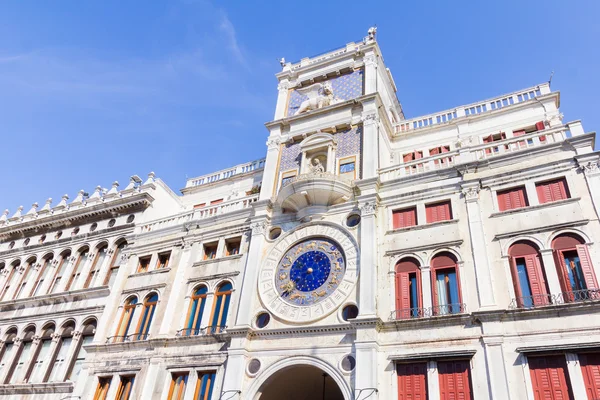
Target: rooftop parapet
x: 226, y: 173
x: 480, y: 107
x: 82, y: 201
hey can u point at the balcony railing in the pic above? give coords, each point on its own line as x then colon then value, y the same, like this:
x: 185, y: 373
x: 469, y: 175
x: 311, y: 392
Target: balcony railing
x: 434, y: 311
x: 536, y: 301
x: 226, y: 173
x: 199, y: 213
x: 207, y: 330
x: 469, y: 153
x: 134, y: 337
x: 472, y: 109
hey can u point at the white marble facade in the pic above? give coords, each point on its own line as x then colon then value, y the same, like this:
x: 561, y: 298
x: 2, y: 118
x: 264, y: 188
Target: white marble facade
x: 143, y: 293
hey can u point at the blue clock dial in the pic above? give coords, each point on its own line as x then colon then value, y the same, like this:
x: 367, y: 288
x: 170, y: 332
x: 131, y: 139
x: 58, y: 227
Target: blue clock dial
x: 310, y: 271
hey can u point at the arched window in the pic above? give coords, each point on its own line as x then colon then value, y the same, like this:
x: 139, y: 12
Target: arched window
x: 125, y: 320
x: 79, y: 262
x: 60, y: 270
x: 19, y: 372
x: 150, y: 303
x: 87, y: 337
x: 445, y: 284
x: 42, y: 275
x: 101, y: 252
x: 529, y: 279
x: 408, y: 289
x: 13, y: 268
x: 7, y: 350
x: 115, y: 263
x: 195, y: 311
x: 29, y: 269
x: 59, y: 365
x: 42, y: 356
x: 218, y: 320
x: 574, y: 265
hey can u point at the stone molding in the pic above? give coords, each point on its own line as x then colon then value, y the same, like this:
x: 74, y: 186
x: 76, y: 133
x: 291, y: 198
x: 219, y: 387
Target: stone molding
x: 368, y: 209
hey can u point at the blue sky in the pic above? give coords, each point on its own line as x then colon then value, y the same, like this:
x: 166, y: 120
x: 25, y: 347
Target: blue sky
x: 92, y: 92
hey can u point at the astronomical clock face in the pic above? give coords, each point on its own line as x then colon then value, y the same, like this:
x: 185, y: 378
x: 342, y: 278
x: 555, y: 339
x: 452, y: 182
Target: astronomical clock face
x: 310, y: 271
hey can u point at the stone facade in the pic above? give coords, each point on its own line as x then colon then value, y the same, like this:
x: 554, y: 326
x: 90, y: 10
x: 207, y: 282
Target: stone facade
x: 459, y: 246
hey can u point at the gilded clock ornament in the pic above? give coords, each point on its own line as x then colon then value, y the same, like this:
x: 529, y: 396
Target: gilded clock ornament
x: 310, y: 271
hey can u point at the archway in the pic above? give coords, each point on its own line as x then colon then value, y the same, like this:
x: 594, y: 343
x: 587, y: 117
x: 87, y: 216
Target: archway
x: 300, y: 382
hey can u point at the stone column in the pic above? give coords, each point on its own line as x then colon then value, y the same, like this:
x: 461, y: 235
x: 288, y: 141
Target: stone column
x: 576, y: 377
x: 14, y: 283
x: 496, y: 366
x: 249, y: 282
x: 208, y: 308
x: 366, y: 371
x: 71, y: 354
x: 191, y: 385
x: 50, y: 271
x: 370, y: 60
x: 26, y: 372
x: 234, y: 371
x: 56, y: 337
x: 551, y: 271
x: 367, y: 297
x: 426, y: 287
x: 591, y: 171
x: 149, y: 382
x: 16, y: 349
x: 85, y: 270
x: 114, y: 386
x: 187, y: 253
x: 269, y: 181
x: 66, y: 274
x: 110, y: 316
x: 282, y: 99
x: 104, y: 268
x: 370, y: 159
x: 433, y: 381
x: 485, y: 288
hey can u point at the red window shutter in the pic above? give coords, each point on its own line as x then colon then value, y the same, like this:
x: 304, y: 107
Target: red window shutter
x: 544, y: 194
x: 519, y: 133
x: 561, y: 267
x: 402, y: 294
x: 590, y: 367
x: 515, y: 278
x: 404, y: 218
x: 540, y: 126
x: 438, y: 212
x: 408, y: 157
x: 586, y: 267
x: 455, y: 380
x: 537, y: 282
x: 412, y: 381
x: 549, y: 378
x: 445, y: 149
x: 434, y: 151
x: 418, y: 155
x: 504, y: 201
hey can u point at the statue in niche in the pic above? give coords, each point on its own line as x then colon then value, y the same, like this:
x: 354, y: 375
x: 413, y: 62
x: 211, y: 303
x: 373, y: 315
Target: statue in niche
x: 319, y: 95
x: 316, y: 166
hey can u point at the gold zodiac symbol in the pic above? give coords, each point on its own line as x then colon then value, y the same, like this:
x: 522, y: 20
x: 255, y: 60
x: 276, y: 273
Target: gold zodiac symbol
x: 297, y: 296
x: 337, y: 266
x: 311, y: 245
x: 334, y: 280
x: 282, y: 276
x: 321, y: 247
x: 298, y: 251
x: 286, y: 265
x: 320, y: 293
x: 289, y: 258
x: 288, y: 286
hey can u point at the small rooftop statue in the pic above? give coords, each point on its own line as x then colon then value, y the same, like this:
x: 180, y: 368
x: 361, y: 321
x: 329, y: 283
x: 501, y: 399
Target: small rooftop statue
x: 372, y: 32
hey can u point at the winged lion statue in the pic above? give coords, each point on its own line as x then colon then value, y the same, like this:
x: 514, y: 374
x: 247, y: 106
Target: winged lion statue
x: 319, y: 95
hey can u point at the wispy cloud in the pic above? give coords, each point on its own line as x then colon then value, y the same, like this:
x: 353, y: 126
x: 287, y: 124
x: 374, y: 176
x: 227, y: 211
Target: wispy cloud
x: 229, y: 30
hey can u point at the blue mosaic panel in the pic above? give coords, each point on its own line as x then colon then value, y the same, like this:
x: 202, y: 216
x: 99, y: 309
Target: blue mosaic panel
x: 349, y: 143
x: 345, y: 87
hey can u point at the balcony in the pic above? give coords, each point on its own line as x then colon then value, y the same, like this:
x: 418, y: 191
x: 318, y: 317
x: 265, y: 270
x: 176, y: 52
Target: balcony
x: 537, y: 301
x: 478, y: 152
x: 207, y: 330
x: 435, y: 311
x: 134, y: 337
x: 226, y: 173
x: 314, y: 192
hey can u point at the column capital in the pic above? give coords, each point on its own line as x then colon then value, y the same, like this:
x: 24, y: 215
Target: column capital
x: 590, y: 168
x: 471, y: 193
x: 258, y: 228
x: 273, y: 143
x: 369, y: 118
x: 368, y: 209
x: 77, y: 335
x: 56, y: 337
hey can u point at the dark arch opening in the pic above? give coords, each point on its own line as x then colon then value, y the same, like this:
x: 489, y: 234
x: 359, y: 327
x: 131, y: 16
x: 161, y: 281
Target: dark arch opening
x: 300, y: 382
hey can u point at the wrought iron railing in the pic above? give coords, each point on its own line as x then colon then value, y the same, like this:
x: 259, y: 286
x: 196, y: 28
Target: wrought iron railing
x: 426, y: 312
x: 207, y: 330
x: 575, y: 296
x: 134, y: 337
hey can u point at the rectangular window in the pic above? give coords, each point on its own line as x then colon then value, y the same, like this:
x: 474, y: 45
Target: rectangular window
x: 77, y: 269
x: 201, y: 205
x: 412, y: 381
x: 144, y: 263
x: 205, y: 385
x: 58, y: 372
x: 210, y: 251
x: 18, y: 374
x: 446, y: 294
x: 102, y: 388
x: 549, y: 377
x: 590, y: 368
x: 415, y: 155
x: 287, y: 177
x: 40, y: 362
x: 512, y: 198
x: 441, y: 162
x: 404, y: 218
x: 178, y: 385
x: 60, y: 270
x: 216, y: 201
x: 494, y: 138
x: 163, y: 260
x: 232, y: 246
x: 348, y: 168
x: 96, y: 265
x: 125, y: 388
x: 114, y: 265
x: 79, y: 358
x: 41, y: 277
x: 553, y: 190
x: 437, y: 212
x: 455, y: 379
